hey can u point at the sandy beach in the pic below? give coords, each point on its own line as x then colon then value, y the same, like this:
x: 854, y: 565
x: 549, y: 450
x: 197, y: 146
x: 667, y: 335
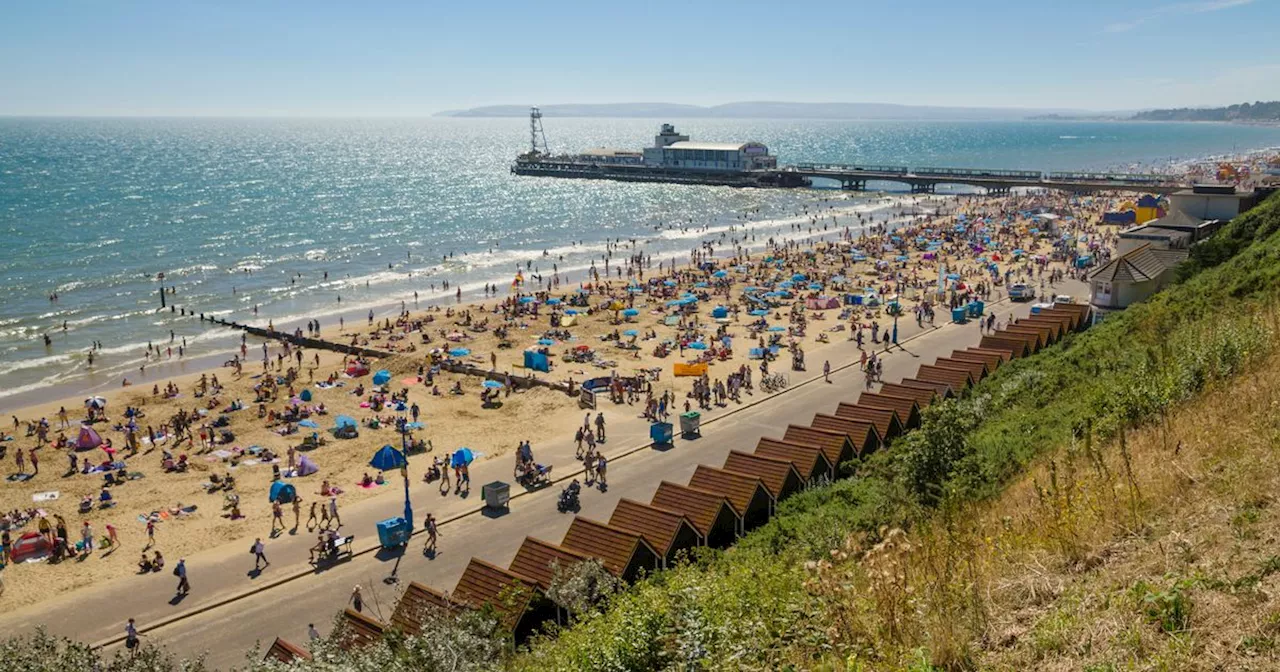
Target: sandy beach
x: 631, y: 319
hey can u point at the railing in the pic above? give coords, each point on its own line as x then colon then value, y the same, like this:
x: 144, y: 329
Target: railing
x: 842, y: 168
x: 1111, y: 177
x: 979, y: 172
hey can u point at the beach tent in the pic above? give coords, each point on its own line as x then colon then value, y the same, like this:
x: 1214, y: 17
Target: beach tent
x: 88, y: 438
x: 822, y: 303
x: 536, y: 361
x: 719, y: 312
x: 357, y: 369
x: 387, y: 459
x: 381, y: 377
x: 461, y: 457
x: 305, y: 396
x: 30, y: 546
x: 344, y: 421
x: 282, y: 492
x: 459, y: 352
x: 306, y: 466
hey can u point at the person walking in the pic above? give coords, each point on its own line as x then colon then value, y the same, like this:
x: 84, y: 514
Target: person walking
x: 35, y: 463
x: 312, y: 633
x: 601, y: 466
x: 433, y: 533
x: 357, y: 600
x: 259, y: 554
x: 180, y: 571
x: 826, y: 370
x: 277, y: 516
x: 333, y: 511
x: 312, y: 518
x: 131, y: 636
x: 151, y: 533
x: 600, y: 427
x: 297, y: 512
x: 113, y: 536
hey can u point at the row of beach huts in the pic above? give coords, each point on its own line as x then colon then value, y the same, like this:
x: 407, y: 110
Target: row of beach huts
x: 719, y: 503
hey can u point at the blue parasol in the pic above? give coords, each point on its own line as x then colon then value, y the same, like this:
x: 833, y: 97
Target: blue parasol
x: 759, y: 312
x: 631, y: 332
x: 719, y: 274
x: 309, y: 424
x: 492, y: 385
x: 630, y: 312
x: 698, y: 345
x: 461, y: 457
x: 459, y: 352
x: 546, y: 341
x: 381, y: 377
x: 344, y: 421
x: 387, y: 459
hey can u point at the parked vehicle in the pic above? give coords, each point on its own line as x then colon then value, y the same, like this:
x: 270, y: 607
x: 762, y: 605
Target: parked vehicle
x: 1021, y: 292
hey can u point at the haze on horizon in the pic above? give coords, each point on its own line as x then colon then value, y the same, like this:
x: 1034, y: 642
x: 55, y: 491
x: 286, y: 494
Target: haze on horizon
x: 398, y: 58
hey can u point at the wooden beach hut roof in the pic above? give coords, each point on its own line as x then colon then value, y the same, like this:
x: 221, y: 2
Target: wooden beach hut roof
x: 809, y: 461
x: 780, y: 476
x: 958, y: 379
x: 748, y: 494
x: 662, y: 528
x: 1015, y: 345
x: 417, y: 601
x: 1076, y: 316
x: 536, y: 557
x: 1040, y: 334
x: 623, y: 552
x: 702, y: 508
x: 1058, y: 325
x: 906, y: 407
x: 944, y: 390
x: 509, y: 594
x: 976, y: 370
x: 994, y: 358
x: 286, y: 652
x: 923, y: 396
x: 1080, y: 310
x: 361, y: 630
x: 887, y: 422
x: 866, y: 438
x: 837, y: 446
x: 990, y: 361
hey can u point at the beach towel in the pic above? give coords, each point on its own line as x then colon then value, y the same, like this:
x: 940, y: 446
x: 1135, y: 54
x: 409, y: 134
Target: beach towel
x: 45, y: 496
x: 19, y: 478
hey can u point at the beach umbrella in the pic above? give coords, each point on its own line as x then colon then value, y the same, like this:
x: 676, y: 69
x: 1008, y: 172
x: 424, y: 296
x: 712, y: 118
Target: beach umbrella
x: 344, y: 421
x: 759, y: 312
x: 387, y: 459
x: 413, y: 425
x: 546, y: 341
x: 630, y: 312
x: 670, y: 283
x: 459, y: 352
x: 95, y: 402
x: 798, y: 277
x: 636, y: 290
x: 553, y: 302
x: 815, y: 285
x: 526, y: 299
x: 492, y: 385
x: 631, y: 332
x: 698, y: 345
x: 461, y: 457
x: 310, y: 424
x: 701, y: 285
x: 381, y: 377
x: 570, y: 311
x: 719, y: 274
x: 777, y: 328
x: 786, y: 285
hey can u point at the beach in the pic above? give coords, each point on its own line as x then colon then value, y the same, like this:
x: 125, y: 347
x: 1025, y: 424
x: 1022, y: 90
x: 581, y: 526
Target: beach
x: 902, y: 263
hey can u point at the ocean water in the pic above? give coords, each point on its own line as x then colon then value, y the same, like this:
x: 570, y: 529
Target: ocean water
x: 245, y: 213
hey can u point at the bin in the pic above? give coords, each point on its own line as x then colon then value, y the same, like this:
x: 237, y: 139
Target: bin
x: 975, y: 309
x: 689, y: 424
x: 393, y: 532
x: 496, y: 495
x: 959, y: 315
x: 661, y: 432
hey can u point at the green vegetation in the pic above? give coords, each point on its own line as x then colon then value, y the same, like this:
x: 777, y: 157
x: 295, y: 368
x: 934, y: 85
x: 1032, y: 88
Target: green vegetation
x: 1259, y: 111
x: 999, y: 504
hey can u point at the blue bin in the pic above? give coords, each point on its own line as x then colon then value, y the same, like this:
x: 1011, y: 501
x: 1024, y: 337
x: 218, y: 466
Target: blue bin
x: 959, y: 315
x: 393, y: 532
x: 661, y: 432
x: 975, y: 309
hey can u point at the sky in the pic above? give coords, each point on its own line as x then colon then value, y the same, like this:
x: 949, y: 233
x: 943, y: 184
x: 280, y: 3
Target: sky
x: 397, y: 58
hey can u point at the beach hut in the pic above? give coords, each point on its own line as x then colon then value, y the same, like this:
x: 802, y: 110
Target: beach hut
x: 624, y: 553
x: 1015, y: 347
x: 1032, y: 339
x: 536, y: 558
x: 712, y: 514
x: 668, y: 532
x: 809, y: 461
x: 1042, y: 334
x: 922, y: 396
x: 837, y: 446
x: 748, y: 494
x: 958, y: 379
x: 515, y: 599
x: 779, y: 476
x: 285, y: 651
x: 942, y: 389
x: 991, y: 360
x: 886, y: 422
x: 417, y: 604
x: 359, y: 630
x: 906, y: 408
x: 866, y: 438
x: 976, y: 370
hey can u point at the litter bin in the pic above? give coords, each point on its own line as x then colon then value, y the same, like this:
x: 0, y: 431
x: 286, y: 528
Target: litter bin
x: 959, y: 315
x: 393, y: 532
x: 689, y: 424
x: 975, y: 308
x: 496, y: 495
x: 661, y: 432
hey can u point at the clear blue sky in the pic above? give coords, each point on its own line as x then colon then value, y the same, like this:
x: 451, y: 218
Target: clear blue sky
x: 394, y: 58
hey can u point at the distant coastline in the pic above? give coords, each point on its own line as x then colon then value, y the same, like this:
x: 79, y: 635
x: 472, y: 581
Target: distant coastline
x: 774, y: 110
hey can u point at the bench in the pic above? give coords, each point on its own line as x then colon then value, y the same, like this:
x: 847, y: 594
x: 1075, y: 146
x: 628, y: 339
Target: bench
x: 341, y: 546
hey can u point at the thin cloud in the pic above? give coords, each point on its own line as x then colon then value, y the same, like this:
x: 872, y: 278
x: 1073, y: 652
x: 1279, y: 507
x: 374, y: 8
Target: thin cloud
x: 1181, y: 8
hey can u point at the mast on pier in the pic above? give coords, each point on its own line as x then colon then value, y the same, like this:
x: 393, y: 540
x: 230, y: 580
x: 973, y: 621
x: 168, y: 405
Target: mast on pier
x: 536, y: 133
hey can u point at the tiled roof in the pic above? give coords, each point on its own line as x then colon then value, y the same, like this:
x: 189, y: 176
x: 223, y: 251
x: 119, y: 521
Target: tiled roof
x: 1059, y: 310
x: 1057, y: 323
x: 976, y: 370
x: 1081, y: 311
x: 1040, y: 334
x: 859, y: 430
x: 535, y: 559
x: 361, y: 630
x: 957, y: 379
x: 943, y: 389
x: 485, y: 583
x: 699, y: 506
x: 807, y: 459
x: 1016, y: 344
x: 907, y: 409
x: 615, y: 546
x: 657, y: 525
x: 286, y: 652
x: 886, y: 422
x: 1140, y: 264
x: 740, y: 489
x: 989, y: 359
x: 774, y: 473
x: 923, y: 396
x: 417, y: 601
x: 837, y: 446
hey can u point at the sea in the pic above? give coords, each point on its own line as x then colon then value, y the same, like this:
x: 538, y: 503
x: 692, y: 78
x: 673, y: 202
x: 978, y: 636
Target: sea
x: 244, y: 217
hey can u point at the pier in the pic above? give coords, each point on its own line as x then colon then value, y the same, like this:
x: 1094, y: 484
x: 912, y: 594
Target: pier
x: 997, y: 182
